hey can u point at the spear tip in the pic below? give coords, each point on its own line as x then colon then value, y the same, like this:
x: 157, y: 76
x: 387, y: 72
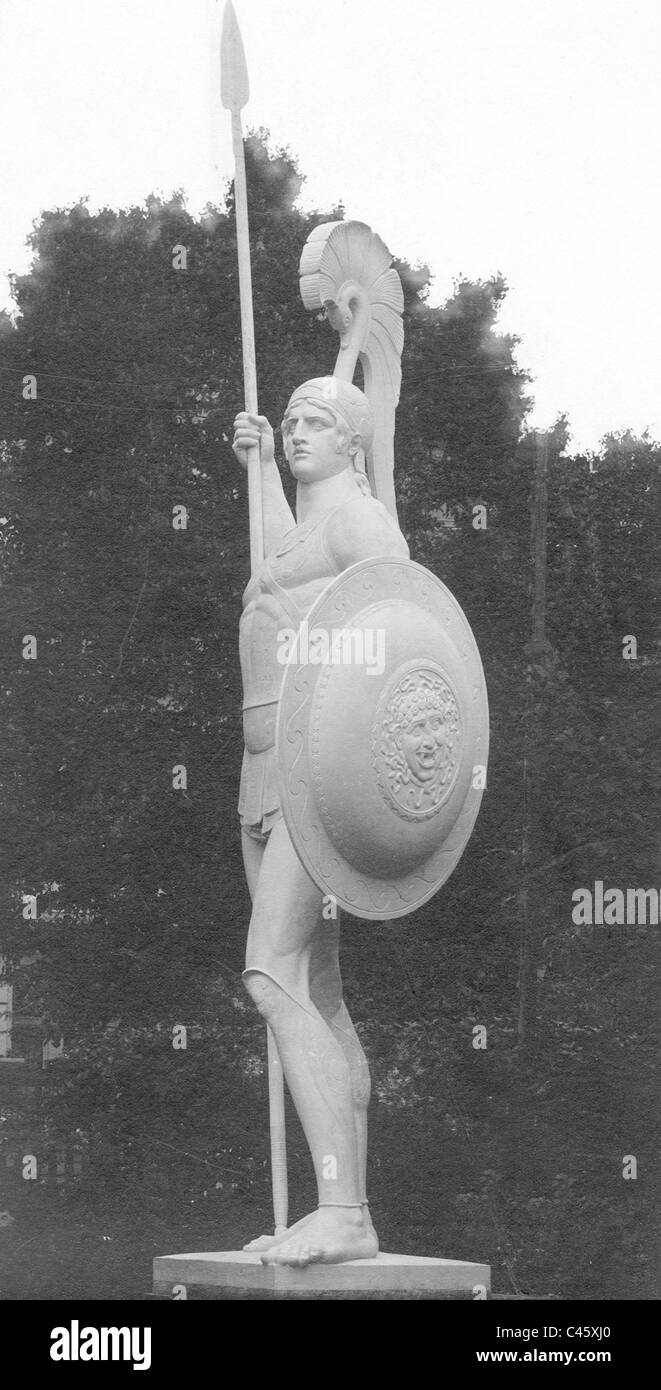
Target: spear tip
x: 234, y: 86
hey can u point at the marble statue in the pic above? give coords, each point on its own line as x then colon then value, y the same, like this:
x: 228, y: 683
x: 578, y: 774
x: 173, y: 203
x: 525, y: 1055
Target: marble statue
x: 358, y: 788
x: 292, y: 961
x: 356, y: 784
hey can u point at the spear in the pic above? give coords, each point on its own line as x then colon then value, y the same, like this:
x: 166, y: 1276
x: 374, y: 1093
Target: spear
x: 235, y: 91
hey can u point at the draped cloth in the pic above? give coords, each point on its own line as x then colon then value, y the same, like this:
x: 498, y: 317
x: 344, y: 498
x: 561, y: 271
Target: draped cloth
x: 259, y: 798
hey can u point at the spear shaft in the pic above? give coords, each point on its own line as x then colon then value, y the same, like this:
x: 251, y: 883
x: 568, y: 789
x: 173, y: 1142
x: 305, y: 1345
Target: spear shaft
x: 234, y: 95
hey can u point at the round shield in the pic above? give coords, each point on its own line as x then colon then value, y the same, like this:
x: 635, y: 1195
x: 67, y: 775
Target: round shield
x: 382, y: 737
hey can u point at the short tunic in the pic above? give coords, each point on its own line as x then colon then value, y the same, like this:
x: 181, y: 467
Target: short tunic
x: 259, y: 798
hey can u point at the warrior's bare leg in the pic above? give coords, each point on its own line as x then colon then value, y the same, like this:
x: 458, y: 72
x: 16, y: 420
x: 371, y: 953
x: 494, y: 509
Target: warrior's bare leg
x: 284, y: 930
x: 326, y: 992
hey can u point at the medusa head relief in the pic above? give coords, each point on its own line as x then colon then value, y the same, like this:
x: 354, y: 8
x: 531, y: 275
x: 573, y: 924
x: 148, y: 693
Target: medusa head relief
x: 416, y: 741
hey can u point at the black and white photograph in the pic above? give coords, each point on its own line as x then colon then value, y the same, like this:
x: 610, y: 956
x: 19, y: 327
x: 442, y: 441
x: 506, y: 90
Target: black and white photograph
x: 330, y: 567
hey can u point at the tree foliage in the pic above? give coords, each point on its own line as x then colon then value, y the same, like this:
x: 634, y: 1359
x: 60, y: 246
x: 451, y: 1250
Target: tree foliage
x: 142, y: 907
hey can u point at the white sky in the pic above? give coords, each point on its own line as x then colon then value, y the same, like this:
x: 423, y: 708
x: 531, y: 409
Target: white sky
x: 521, y: 136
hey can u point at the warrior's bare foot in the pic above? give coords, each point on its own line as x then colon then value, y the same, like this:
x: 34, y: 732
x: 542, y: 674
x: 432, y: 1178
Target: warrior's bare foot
x: 266, y: 1242
x: 328, y: 1236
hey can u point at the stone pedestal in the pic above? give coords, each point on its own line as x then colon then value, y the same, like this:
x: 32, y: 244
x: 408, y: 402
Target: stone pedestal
x: 240, y: 1274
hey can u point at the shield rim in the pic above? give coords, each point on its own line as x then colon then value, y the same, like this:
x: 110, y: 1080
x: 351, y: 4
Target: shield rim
x: 453, y: 847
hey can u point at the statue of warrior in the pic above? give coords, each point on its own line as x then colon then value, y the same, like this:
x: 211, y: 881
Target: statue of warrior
x: 292, y: 962
x: 351, y: 786
x: 358, y: 780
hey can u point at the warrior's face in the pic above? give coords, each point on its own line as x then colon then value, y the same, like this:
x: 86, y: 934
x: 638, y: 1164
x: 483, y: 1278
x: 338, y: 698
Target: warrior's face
x: 423, y: 743
x: 316, y: 445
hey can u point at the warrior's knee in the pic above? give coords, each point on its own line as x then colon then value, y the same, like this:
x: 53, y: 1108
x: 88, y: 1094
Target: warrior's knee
x: 264, y: 992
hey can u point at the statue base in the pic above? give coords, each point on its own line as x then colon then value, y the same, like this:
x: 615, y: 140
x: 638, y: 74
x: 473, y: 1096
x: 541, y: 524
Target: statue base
x: 241, y: 1274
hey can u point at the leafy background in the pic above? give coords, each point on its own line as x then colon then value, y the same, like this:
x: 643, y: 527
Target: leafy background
x: 513, y: 1154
